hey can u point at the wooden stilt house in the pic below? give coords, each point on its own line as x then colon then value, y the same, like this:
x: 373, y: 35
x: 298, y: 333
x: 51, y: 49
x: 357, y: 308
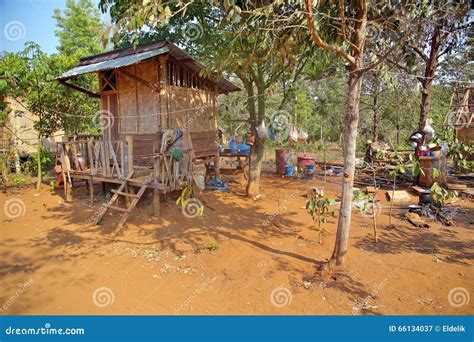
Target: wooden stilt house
x: 150, y: 96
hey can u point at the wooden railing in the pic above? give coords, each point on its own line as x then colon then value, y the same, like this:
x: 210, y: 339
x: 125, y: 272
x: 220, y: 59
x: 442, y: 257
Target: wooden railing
x: 110, y: 159
x: 95, y: 157
x: 171, y: 173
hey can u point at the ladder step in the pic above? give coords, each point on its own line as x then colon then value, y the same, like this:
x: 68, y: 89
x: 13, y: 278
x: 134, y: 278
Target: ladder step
x: 117, y: 208
x: 125, y: 193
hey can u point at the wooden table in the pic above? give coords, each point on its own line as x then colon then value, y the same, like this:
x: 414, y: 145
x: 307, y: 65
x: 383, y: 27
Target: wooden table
x: 243, y: 160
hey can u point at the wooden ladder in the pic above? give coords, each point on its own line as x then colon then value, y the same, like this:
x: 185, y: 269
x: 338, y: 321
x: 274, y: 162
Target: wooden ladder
x: 121, y: 191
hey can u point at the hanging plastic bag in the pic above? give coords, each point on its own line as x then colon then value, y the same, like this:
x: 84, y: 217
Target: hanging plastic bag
x: 302, y: 136
x: 262, y: 130
x: 293, y: 134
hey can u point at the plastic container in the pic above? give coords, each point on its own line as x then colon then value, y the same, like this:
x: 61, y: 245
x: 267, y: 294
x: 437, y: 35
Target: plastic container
x: 289, y: 170
x: 304, y: 162
x: 282, y: 158
x: 309, y: 169
x: 244, y: 148
x: 233, y: 146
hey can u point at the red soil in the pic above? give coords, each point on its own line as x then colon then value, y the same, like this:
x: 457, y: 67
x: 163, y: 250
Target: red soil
x: 52, y: 262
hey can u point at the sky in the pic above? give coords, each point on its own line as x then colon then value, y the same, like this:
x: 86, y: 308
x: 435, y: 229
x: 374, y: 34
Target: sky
x: 29, y: 20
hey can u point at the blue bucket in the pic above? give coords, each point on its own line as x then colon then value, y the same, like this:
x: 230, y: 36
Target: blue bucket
x: 289, y: 170
x: 309, y: 169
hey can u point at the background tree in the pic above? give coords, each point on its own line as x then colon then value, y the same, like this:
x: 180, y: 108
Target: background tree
x: 435, y: 44
x: 344, y: 28
x: 29, y: 77
x: 79, y: 29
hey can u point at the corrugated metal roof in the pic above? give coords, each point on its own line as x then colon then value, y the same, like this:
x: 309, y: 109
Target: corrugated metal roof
x: 127, y: 56
x: 112, y: 63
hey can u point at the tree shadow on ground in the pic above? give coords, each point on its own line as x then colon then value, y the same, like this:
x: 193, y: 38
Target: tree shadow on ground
x: 407, y: 239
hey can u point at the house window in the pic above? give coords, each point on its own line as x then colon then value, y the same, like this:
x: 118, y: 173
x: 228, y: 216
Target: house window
x: 180, y: 76
x: 108, y: 80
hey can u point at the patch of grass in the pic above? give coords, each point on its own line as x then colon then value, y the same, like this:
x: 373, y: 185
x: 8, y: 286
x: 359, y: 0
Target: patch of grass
x: 19, y: 180
x: 212, y: 246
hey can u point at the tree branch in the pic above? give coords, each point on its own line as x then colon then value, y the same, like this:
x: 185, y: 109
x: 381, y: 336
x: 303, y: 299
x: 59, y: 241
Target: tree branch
x: 384, y: 56
x: 317, y: 39
x: 419, y: 52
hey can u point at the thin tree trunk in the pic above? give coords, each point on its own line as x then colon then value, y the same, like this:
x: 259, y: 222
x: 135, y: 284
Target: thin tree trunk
x: 17, y: 158
x: 40, y: 175
x: 376, y: 117
x: 393, y: 200
x: 427, y: 81
x: 374, y: 208
x: 350, y: 136
x: 257, y: 150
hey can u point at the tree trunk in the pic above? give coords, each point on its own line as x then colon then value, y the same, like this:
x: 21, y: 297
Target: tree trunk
x: 427, y: 81
x: 256, y: 151
x: 375, y: 108
x: 38, y: 154
x: 350, y: 136
x: 376, y: 120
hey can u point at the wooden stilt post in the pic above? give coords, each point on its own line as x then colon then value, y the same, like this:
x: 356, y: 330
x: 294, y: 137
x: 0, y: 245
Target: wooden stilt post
x: 91, y: 191
x: 68, y: 188
x: 129, y: 139
x: 156, y: 203
x: 156, y: 192
x: 216, y: 164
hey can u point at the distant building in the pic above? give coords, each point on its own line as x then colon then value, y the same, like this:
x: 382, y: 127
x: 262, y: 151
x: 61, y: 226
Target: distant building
x: 20, y: 129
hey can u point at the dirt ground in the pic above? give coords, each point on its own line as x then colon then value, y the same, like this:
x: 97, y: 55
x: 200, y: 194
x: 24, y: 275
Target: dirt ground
x: 52, y: 261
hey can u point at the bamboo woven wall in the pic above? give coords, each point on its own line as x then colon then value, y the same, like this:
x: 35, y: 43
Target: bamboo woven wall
x: 192, y: 109
x: 138, y: 103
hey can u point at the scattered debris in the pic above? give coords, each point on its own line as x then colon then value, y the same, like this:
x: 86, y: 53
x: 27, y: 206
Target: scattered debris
x: 430, y: 303
x: 416, y: 220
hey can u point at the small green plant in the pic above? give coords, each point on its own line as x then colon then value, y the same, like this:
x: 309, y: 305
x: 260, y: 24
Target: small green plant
x: 47, y: 162
x: 440, y: 195
x: 457, y: 151
x: 318, y: 207
x: 212, y: 246
x: 362, y: 200
x: 19, y: 179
